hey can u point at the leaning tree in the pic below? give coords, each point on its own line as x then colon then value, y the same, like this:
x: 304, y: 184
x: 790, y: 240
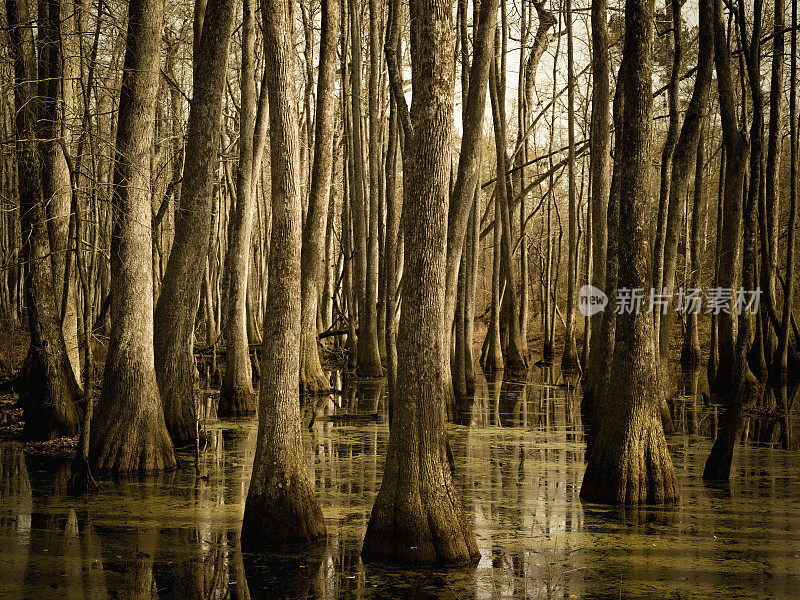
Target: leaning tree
x: 177, y: 305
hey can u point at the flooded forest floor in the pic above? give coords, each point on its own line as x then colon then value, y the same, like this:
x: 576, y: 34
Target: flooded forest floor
x: 519, y: 461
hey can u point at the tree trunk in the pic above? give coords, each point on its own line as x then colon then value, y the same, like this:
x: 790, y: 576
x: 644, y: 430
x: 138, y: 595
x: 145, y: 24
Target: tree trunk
x: 492, y: 359
x: 393, y: 209
x: 60, y: 55
x: 690, y: 352
x: 771, y: 202
x: 679, y: 164
x: 376, y: 185
x: 417, y: 517
x: 783, y: 404
x: 516, y: 349
x: 713, y: 353
x: 675, y: 48
x: 128, y: 432
x: 569, y: 359
x: 630, y: 463
x: 312, y: 378
x: 467, y: 174
x: 281, y: 506
x: 176, y: 309
x: 736, y: 153
x: 236, y: 392
x: 744, y: 388
x: 473, y: 252
x: 369, y: 359
x: 49, y: 390
x: 600, y: 164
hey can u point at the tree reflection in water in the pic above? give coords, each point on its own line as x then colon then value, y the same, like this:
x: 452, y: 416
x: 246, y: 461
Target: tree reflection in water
x: 518, y: 453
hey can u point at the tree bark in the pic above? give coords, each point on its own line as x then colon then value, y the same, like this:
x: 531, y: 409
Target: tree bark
x: 516, y: 349
x: 369, y: 359
x: 236, y: 392
x: 417, y: 517
x: 600, y: 154
x: 667, y: 152
x: 630, y: 463
x: 683, y: 159
x: 736, y: 153
x: 376, y: 185
x: 569, y: 358
x: 58, y: 56
x: 473, y: 252
x: 128, y: 432
x: 743, y: 388
x: 281, y: 506
x: 394, y: 207
x: 690, y: 352
x: 49, y: 390
x: 462, y: 197
x: 177, y: 305
x: 769, y: 230
x: 492, y: 359
x: 312, y: 378
x: 676, y: 164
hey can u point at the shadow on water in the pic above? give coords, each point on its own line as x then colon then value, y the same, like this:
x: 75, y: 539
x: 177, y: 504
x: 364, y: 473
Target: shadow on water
x: 519, y: 453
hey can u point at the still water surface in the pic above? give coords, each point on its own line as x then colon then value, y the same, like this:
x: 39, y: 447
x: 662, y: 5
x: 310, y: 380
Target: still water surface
x: 519, y: 461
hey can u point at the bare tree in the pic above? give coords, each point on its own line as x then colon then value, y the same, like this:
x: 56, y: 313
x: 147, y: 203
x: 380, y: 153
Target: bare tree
x: 128, y: 432
x: 177, y: 305
x: 312, y: 377
x: 417, y: 516
x: 49, y: 390
x: 629, y: 462
x: 281, y: 506
x: 236, y: 391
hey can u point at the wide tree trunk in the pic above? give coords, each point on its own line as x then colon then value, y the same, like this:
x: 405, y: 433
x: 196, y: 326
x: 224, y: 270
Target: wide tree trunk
x: 236, y: 391
x: 630, y: 463
x: 312, y: 378
x: 49, y: 390
x: 176, y: 310
x: 128, y: 432
x: 417, y: 517
x: 281, y: 506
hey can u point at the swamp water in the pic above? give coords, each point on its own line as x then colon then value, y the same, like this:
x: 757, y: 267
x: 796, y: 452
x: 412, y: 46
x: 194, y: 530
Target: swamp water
x: 519, y: 462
